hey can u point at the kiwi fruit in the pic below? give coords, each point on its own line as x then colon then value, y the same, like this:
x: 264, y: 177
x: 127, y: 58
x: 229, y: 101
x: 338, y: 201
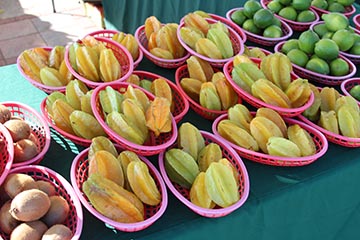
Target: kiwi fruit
x: 18, y: 182
x: 58, y: 232
x: 7, y: 222
x: 18, y: 129
x: 58, y: 211
x: 24, y: 150
x: 5, y: 114
x: 29, y: 205
x: 46, y: 187
x: 33, y: 230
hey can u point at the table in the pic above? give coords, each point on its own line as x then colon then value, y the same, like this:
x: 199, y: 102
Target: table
x: 318, y: 201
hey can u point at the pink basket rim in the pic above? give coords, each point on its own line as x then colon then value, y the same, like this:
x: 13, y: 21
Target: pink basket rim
x: 67, y: 186
x: 262, y: 103
x: 350, y: 10
x: 283, y: 23
x: 42, y: 86
x: 352, y: 67
x: 328, y: 133
x: 356, y: 20
x: 346, y: 54
x: 147, y: 52
x: 288, y: 120
x: 117, y: 136
x: 264, y: 4
x: 211, y: 60
x: 95, y: 84
x: 173, y: 86
x: 345, y: 83
x: 110, y: 31
x: 118, y: 225
x: 190, y: 100
x: 10, y: 149
x: 204, y: 211
x: 81, y: 141
x: 44, y: 124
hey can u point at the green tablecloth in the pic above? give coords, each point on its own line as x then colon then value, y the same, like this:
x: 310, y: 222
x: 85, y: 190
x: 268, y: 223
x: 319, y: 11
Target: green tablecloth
x: 318, y: 201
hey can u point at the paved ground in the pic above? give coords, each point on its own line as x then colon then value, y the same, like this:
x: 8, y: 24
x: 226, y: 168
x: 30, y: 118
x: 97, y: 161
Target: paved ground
x: 26, y: 24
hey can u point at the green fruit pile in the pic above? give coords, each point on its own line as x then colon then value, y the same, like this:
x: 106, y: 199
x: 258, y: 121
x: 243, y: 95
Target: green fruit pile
x: 316, y: 53
x: 336, y: 27
x: 293, y: 10
x: 332, y: 5
x: 258, y: 20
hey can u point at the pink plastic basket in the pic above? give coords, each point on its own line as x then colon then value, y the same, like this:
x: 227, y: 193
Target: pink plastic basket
x: 265, y: 41
x: 350, y: 10
x: 108, y: 33
x: 6, y: 153
x: 183, y: 72
x: 260, y: 157
x: 352, y: 57
x: 356, y: 20
x: 286, y: 112
x: 121, y: 54
x: 296, y: 26
x: 180, y: 102
x: 332, y: 137
x: 39, y: 85
x: 79, y: 174
x: 39, y: 128
x: 236, y: 40
x: 161, y: 62
x: 182, y: 193
x: 75, y: 139
x: 231, y: 24
x: 321, y: 78
x: 151, y: 147
x: 348, y: 84
x: 63, y: 188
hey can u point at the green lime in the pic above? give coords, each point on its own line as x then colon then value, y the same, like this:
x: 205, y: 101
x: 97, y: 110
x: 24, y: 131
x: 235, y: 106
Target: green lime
x: 326, y: 49
x: 274, y: 6
x: 285, y: 2
x: 335, y: 21
x: 318, y: 65
x: 355, y: 92
x: 301, y: 5
x: 249, y: 25
x: 307, y: 41
x: 306, y: 16
x: 356, y: 38
x: 344, y: 39
x: 238, y: 17
x: 289, y: 45
x: 322, y: 4
x: 355, y: 49
x: 313, y: 56
x: 250, y: 8
x: 346, y: 2
x: 328, y: 35
x: 298, y: 57
x: 339, y: 67
x: 320, y: 29
x: 263, y: 18
x: 288, y: 13
x: 273, y: 31
x: 336, y: 7
x: 276, y: 22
